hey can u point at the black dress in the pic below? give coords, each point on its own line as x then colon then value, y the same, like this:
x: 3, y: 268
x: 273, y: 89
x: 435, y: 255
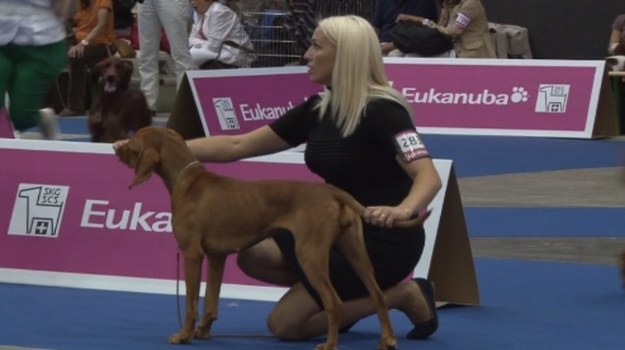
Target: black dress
x: 364, y: 165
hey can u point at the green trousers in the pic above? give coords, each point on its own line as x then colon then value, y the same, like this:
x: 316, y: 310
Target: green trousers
x: 26, y: 75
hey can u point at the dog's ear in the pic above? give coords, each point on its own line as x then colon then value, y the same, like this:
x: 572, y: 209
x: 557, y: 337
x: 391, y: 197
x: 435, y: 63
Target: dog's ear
x: 96, y: 72
x: 128, y: 65
x: 145, y: 166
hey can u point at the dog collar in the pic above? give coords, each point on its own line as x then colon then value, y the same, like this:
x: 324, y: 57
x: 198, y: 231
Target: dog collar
x: 189, y: 165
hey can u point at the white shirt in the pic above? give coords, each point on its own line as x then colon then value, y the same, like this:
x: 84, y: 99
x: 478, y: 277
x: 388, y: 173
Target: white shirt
x: 30, y: 22
x: 211, y: 30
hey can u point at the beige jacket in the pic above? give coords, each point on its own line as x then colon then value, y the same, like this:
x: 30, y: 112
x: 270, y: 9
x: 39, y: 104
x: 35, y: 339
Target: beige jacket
x: 467, y: 24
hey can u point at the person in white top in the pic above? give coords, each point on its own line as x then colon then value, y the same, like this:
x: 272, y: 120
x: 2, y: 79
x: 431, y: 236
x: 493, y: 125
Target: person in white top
x: 218, y: 39
x: 33, y: 52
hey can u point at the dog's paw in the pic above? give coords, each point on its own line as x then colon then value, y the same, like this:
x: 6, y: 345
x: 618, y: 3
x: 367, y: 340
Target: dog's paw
x: 180, y: 338
x: 389, y: 344
x: 201, y: 333
x: 326, y: 346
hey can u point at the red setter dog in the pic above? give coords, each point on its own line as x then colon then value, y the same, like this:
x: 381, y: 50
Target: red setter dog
x: 117, y: 111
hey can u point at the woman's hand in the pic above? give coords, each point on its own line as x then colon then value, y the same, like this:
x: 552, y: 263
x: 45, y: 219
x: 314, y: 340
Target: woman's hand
x: 385, y: 216
x: 76, y: 51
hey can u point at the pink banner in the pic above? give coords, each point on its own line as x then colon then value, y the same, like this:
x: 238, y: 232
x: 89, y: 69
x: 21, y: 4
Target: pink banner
x: 449, y: 96
x: 6, y: 130
x: 241, y: 103
x: 73, y: 212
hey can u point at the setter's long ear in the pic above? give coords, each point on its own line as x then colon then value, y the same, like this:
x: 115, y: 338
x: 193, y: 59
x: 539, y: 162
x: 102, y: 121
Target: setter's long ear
x: 145, y: 166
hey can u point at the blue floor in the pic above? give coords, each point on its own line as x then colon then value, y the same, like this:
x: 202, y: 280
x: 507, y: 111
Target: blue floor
x: 525, y: 305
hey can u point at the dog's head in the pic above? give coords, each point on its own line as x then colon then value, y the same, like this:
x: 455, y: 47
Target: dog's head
x: 112, y: 74
x: 144, y: 151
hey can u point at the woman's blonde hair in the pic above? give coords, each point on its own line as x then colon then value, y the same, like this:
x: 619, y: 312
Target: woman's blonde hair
x: 358, y: 76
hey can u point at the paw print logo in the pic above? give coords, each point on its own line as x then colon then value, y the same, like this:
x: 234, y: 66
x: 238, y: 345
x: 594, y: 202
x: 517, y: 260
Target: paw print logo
x: 519, y: 95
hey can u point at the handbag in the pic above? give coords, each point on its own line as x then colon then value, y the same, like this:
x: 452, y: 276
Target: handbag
x: 412, y: 37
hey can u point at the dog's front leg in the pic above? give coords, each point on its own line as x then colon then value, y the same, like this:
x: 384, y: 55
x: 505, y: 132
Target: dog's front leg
x: 192, y: 271
x: 215, y: 273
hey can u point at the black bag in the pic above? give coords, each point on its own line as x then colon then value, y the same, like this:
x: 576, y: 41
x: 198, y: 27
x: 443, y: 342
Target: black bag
x: 412, y: 37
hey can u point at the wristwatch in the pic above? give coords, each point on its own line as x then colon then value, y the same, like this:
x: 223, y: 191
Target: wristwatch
x: 84, y: 42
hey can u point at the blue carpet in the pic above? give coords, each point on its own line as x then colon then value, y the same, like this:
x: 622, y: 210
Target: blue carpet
x: 552, y: 222
x: 525, y: 305
x: 494, y: 155
x: 73, y: 125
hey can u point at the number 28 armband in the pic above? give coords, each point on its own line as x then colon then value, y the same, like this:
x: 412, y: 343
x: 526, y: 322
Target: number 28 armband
x: 410, y: 146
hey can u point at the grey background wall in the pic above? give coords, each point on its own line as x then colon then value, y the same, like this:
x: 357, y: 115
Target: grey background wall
x: 560, y: 29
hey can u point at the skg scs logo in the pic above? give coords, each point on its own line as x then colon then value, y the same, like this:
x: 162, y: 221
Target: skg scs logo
x: 38, y: 210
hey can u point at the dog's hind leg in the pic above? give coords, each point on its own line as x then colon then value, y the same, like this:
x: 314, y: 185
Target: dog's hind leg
x: 214, y: 278
x: 192, y: 271
x: 312, y: 247
x: 350, y: 242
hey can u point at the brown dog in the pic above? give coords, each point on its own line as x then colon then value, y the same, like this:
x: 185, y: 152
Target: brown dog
x: 215, y: 216
x: 117, y: 111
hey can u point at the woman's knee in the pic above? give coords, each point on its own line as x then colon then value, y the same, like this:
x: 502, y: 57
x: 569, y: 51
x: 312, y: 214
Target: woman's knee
x: 264, y: 261
x: 285, y: 326
x: 280, y: 328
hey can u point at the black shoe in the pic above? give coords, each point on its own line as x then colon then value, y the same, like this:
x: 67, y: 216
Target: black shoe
x: 425, y: 329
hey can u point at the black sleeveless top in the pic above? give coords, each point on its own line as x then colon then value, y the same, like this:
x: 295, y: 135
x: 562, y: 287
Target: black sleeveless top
x: 363, y: 164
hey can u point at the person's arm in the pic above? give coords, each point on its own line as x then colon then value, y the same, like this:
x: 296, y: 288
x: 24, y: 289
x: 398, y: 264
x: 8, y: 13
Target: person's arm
x: 78, y: 50
x: 412, y: 18
x: 229, y: 148
x: 615, y: 38
x: 467, y: 12
x: 195, y: 39
x: 65, y: 9
x: 100, y: 27
x: 217, y: 28
x: 425, y: 185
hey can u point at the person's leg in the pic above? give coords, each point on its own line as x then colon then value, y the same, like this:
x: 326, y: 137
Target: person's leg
x: 76, y: 87
x: 175, y: 19
x: 264, y: 262
x: 6, y: 73
x: 38, y: 68
x: 149, y: 41
x: 298, y: 317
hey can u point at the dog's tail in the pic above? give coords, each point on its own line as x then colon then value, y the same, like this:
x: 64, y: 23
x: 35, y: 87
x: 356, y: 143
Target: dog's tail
x: 350, y: 201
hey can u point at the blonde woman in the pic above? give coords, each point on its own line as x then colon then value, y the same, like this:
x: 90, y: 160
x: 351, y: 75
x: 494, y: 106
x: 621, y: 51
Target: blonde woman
x: 360, y: 137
